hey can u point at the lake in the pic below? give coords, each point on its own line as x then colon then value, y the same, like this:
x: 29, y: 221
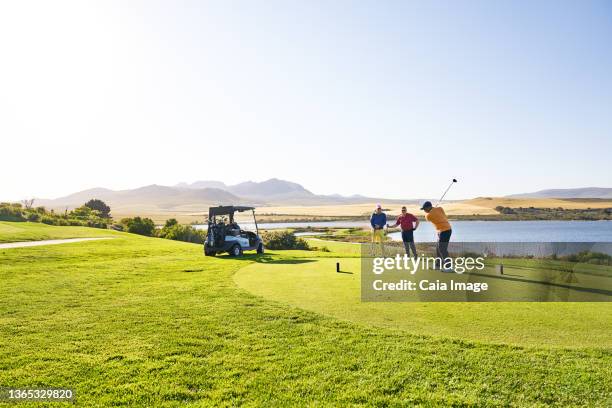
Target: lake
x: 482, y: 231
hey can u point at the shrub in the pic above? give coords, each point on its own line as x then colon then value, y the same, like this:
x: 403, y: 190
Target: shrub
x: 141, y: 226
x: 47, y: 220
x: 82, y: 216
x: 283, y: 240
x: 33, y: 217
x: 173, y: 230
x: 97, y: 223
x: 11, y: 212
x: 595, y: 258
x: 82, y: 212
x: 505, y: 210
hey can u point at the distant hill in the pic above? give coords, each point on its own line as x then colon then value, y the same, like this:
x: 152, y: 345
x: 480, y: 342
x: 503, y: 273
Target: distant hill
x: 282, y: 192
x: 566, y: 203
x: 270, y: 188
x: 198, y: 196
x: 153, y: 197
x: 204, y: 184
x: 266, y: 189
x: 586, y: 192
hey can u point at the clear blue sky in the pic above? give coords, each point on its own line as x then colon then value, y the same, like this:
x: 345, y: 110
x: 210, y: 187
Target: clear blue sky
x: 378, y: 98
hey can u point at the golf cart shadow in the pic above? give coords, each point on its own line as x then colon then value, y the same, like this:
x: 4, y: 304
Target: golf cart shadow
x: 267, y: 259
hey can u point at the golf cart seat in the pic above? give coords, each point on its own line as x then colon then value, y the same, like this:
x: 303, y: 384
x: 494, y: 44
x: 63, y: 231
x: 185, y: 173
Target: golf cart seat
x: 233, y: 229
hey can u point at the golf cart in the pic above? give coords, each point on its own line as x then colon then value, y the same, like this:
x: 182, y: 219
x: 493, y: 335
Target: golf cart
x: 222, y: 237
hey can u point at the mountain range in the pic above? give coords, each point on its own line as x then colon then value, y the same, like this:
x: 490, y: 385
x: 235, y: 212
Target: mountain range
x: 263, y: 190
x: 585, y: 192
x: 199, y: 195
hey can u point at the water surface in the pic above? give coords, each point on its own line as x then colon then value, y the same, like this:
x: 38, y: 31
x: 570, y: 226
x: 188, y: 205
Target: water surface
x: 481, y: 231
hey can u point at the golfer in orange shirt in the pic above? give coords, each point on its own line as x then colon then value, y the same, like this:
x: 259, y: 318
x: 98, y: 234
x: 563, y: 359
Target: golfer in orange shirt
x: 437, y: 217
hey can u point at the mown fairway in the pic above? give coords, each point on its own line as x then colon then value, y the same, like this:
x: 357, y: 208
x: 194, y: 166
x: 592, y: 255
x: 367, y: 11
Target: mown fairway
x: 313, y: 284
x: 143, y: 321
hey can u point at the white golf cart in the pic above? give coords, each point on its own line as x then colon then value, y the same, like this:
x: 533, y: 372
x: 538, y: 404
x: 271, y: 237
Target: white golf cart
x: 229, y: 237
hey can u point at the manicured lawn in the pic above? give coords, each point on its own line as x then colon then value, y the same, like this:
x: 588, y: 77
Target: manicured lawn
x: 33, y: 231
x: 313, y: 284
x: 143, y: 321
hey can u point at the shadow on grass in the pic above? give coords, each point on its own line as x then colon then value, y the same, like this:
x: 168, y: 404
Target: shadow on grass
x: 546, y: 283
x: 267, y: 259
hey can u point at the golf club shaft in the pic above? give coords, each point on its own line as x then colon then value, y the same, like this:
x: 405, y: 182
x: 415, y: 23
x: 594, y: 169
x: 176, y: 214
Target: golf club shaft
x: 443, y: 195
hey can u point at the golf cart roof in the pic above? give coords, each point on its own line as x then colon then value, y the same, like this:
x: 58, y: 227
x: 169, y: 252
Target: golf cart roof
x: 227, y: 210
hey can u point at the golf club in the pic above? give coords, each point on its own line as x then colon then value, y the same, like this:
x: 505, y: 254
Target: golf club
x: 448, y: 188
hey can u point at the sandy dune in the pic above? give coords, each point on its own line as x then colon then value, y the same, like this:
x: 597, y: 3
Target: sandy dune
x: 568, y: 204
x: 455, y: 208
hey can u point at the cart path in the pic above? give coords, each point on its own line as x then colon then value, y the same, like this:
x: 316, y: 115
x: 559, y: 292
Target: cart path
x: 47, y: 242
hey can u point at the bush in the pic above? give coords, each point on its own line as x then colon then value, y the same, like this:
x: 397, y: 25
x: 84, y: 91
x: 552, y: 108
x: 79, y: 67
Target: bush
x: 82, y: 216
x: 505, y: 210
x: 11, y: 212
x: 283, y: 240
x: 173, y: 230
x: 595, y: 258
x: 48, y: 220
x: 33, y: 217
x: 82, y: 212
x: 98, y: 223
x: 141, y: 226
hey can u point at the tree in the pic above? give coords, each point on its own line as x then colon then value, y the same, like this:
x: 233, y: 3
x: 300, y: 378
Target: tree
x: 171, y: 222
x: 141, y: 226
x: 100, y: 206
x: 83, y: 212
x: 28, y: 203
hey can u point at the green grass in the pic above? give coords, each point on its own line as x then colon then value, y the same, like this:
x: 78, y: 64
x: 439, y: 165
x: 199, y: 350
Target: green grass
x: 151, y: 322
x: 338, y: 248
x: 313, y: 284
x: 33, y: 231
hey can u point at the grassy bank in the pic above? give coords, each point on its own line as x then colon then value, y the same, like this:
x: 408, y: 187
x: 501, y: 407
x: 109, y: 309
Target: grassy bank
x: 146, y: 321
x: 30, y: 231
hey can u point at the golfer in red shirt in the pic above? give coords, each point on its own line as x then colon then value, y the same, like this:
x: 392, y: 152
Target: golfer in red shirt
x: 408, y: 223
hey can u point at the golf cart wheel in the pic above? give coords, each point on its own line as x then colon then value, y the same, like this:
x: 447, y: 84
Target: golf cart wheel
x: 209, y: 253
x: 236, y: 250
x: 260, y: 248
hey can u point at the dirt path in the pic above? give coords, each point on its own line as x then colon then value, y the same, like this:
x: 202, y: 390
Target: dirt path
x: 46, y: 242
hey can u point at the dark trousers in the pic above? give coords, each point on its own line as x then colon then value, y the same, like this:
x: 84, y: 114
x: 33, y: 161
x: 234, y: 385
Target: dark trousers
x: 408, y: 239
x: 442, y: 246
